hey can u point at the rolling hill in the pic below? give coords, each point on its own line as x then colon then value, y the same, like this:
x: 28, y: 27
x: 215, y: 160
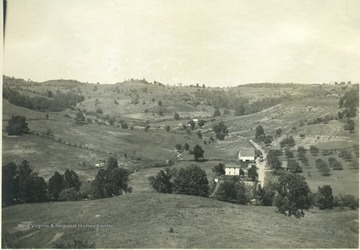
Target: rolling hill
x: 143, y: 219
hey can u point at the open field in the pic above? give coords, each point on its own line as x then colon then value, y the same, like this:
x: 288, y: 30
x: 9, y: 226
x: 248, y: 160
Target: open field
x: 197, y: 223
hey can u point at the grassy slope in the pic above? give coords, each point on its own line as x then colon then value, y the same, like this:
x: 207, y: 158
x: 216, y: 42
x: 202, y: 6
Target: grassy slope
x: 197, y: 223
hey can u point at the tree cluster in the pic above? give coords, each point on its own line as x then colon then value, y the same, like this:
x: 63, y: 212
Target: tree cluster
x: 234, y: 191
x: 220, y: 130
x: 58, y: 102
x: 191, y: 180
x: 112, y: 181
x: 21, y: 185
x: 64, y: 187
x: 17, y: 125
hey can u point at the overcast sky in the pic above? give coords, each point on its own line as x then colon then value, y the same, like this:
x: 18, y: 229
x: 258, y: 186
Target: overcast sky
x: 216, y: 42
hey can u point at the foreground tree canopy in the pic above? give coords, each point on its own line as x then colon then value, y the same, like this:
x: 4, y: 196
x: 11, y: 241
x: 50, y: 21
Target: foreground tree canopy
x: 293, y: 195
x: 191, y: 180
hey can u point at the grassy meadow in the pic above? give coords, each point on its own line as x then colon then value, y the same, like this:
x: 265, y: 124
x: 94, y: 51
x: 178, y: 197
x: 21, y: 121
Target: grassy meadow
x: 196, y: 223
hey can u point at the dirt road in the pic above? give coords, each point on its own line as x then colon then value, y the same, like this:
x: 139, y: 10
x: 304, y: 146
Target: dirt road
x: 260, y: 165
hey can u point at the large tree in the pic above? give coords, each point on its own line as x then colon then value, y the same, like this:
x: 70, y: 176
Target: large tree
x: 293, y: 195
x: 9, y: 186
x: 72, y: 180
x: 163, y: 182
x: 56, y: 185
x: 252, y: 173
x: 259, y: 133
x: 23, y: 184
x: 192, y: 181
x: 112, y: 163
x: 17, y: 125
x: 324, y: 197
x: 198, y: 152
x: 220, y: 130
x: 112, y: 181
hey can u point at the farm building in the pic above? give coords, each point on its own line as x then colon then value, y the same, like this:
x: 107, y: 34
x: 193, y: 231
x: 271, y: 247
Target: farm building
x: 232, y: 169
x: 246, y: 154
x: 100, y: 164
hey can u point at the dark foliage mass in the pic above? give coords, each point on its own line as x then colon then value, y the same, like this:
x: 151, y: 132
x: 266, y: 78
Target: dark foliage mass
x: 234, y: 191
x: 163, y: 182
x: 112, y: 181
x: 21, y: 185
x: 293, y: 195
x: 56, y: 103
x: 198, y: 152
x: 324, y: 197
x: 17, y: 125
x: 220, y: 130
x: 191, y: 180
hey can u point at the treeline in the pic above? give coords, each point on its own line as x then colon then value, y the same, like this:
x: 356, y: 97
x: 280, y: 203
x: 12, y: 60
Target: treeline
x: 20, y: 184
x: 290, y: 194
x: 241, y: 105
x: 55, y: 103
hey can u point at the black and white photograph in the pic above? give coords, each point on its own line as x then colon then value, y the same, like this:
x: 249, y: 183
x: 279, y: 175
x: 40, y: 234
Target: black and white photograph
x: 182, y: 124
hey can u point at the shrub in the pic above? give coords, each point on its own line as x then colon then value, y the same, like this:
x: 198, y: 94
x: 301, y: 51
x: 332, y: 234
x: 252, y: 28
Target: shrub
x: 334, y: 164
x: 324, y: 197
x: 69, y: 194
x: 233, y: 191
x: 163, y: 182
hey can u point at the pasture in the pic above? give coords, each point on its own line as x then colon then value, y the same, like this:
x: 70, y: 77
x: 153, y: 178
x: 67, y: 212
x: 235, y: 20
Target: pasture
x: 196, y: 223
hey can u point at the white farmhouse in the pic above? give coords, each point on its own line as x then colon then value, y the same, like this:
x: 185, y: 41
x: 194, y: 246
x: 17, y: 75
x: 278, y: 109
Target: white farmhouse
x: 232, y: 169
x: 247, y: 154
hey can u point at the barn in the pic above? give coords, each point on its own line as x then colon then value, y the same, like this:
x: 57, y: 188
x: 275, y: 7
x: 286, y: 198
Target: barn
x: 246, y: 154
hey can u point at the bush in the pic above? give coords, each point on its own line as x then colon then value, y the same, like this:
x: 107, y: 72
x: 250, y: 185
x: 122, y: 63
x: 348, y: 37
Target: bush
x: 163, y: 182
x: 294, y: 166
x: 324, y: 197
x: 334, y: 164
x: 219, y: 169
x: 69, y: 194
x: 124, y: 125
x: 176, y: 116
x: 314, y: 150
x: 288, y: 142
x: 266, y: 194
x: 346, y: 200
x: 234, y: 191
